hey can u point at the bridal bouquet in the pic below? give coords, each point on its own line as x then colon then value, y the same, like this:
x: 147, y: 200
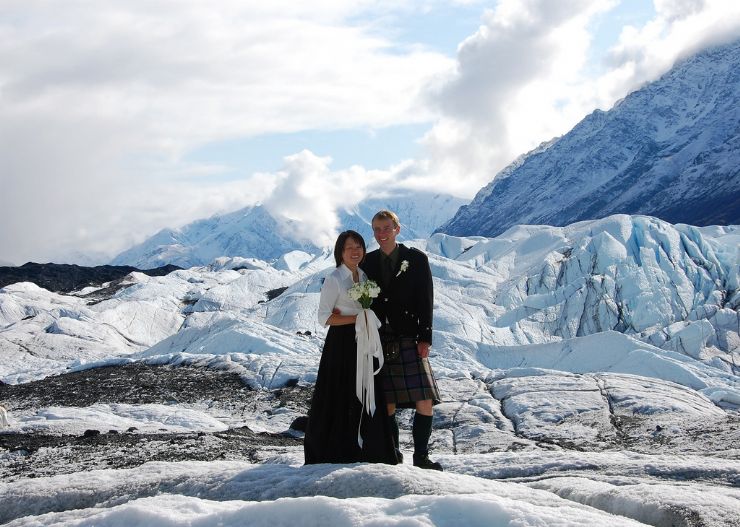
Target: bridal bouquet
x: 364, y: 292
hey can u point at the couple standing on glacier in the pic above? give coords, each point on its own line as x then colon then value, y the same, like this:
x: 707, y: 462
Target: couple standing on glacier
x: 348, y: 423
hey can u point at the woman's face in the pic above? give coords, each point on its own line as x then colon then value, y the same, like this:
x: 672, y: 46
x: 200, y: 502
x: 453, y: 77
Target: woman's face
x: 352, y: 254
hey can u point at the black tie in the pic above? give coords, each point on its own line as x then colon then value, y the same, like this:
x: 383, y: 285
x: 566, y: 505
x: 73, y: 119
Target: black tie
x: 389, y: 271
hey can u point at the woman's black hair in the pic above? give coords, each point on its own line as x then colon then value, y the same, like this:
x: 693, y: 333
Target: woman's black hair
x: 342, y: 239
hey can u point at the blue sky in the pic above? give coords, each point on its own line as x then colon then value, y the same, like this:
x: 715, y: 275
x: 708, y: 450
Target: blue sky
x: 371, y: 148
x: 118, y: 119
x: 442, y: 28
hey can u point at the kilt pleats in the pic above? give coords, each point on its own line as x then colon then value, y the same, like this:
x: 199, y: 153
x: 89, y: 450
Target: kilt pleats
x: 409, y: 379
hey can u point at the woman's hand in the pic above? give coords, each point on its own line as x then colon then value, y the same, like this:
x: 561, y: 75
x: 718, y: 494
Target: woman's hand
x: 337, y: 319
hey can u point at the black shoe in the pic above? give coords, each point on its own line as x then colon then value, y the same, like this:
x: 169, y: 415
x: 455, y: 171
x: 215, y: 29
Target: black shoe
x: 425, y: 462
x: 399, y: 456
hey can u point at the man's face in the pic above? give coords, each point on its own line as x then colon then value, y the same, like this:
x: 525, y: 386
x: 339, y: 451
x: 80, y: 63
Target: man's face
x: 385, y: 233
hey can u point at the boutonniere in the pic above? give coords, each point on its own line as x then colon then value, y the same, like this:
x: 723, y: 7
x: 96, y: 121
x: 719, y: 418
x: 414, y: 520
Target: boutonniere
x: 404, y: 266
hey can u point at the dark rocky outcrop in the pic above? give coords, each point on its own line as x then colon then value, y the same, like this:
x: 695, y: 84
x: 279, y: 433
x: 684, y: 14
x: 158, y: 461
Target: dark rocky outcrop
x: 63, y: 278
x: 224, y: 393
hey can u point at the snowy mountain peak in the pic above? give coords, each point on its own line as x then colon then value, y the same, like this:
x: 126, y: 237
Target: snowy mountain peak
x: 253, y: 232
x: 249, y: 232
x: 670, y: 149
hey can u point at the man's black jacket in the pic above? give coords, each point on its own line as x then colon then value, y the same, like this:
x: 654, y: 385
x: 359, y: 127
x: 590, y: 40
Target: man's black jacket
x: 408, y: 301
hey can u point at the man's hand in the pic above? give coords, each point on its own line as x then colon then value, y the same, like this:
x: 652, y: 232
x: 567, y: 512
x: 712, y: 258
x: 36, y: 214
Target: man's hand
x: 423, y: 349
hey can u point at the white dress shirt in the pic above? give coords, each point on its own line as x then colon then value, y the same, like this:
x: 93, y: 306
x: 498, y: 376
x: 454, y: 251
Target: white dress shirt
x: 334, y: 294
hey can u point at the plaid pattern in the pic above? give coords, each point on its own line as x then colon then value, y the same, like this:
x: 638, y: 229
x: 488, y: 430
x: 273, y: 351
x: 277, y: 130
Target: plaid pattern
x: 409, y: 379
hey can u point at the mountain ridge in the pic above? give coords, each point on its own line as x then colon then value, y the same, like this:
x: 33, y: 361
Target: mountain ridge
x: 670, y: 149
x: 254, y: 232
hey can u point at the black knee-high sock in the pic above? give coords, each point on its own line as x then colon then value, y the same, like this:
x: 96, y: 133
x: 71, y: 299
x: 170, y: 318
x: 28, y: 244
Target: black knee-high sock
x: 394, y: 429
x: 422, y: 431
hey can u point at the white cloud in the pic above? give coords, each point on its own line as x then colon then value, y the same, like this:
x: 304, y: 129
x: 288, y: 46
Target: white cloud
x: 520, y: 80
x: 680, y: 28
x: 511, y: 78
x: 199, y: 73
x: 90, y: 90
x: 308, y: 195
x: 672, y: 10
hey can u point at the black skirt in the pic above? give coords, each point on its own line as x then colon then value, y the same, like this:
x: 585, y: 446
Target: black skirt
x: 331, y: 432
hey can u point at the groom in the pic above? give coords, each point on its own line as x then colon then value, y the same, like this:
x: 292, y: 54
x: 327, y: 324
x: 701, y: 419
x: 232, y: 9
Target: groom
x: 404, y: 307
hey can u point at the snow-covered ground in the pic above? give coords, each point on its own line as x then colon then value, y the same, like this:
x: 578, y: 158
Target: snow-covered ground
x: 589, y: 376
x: 282, y: 492
x: 145, y: 418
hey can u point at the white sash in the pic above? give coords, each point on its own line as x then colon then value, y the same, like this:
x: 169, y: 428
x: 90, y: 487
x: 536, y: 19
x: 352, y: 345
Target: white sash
x: 368, y: 347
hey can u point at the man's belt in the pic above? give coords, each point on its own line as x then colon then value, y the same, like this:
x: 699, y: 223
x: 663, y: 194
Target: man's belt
x: 405, y: 342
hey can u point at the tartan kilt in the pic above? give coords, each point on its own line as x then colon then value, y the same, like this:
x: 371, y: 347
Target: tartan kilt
x: 408, y: 379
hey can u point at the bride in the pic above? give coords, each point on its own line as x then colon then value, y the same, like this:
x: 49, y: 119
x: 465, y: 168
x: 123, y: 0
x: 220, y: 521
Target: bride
x: 336, y: 413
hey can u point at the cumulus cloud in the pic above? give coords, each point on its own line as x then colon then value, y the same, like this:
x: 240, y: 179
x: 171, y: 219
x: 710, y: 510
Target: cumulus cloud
x: 511, y: 78
x: 99, y: 103
x: 195, y: 73
x: 308, y: 195
x: 679, y: 29
x: 521, y: 78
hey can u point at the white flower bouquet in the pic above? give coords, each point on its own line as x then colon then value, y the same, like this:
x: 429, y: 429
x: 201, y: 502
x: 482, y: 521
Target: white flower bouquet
x: 364, y: 292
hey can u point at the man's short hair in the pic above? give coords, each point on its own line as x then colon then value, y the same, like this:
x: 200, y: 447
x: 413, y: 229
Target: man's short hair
x: 387, y: 215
